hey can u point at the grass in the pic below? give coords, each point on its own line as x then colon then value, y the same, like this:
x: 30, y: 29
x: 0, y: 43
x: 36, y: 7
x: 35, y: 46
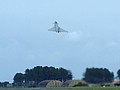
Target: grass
x: 66, y: 88
x: 87, y: 88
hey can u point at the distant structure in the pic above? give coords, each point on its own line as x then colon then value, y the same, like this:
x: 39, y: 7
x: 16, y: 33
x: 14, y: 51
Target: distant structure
x: 67, y: 83
x: 74, y: 83
x: 50, y: 83
x: 56, y: 28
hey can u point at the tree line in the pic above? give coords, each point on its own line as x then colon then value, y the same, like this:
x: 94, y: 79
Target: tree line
x: 39, y: 73
x: 98, y: 75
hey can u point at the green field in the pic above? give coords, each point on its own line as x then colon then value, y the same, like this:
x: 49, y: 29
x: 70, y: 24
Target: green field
x: 72, y: 88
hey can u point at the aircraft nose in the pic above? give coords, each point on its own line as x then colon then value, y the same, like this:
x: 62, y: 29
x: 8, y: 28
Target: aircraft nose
x: 55, y: 22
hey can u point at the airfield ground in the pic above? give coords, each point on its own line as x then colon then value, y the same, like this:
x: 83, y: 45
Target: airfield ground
x: 71, y: 88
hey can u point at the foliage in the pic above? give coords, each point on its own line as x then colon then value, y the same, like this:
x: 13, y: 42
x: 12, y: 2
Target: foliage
x: 3, y: 84
x: 118, y: 74
x: 39, y: 73
x: 98, y: 75
x: 19, y: 77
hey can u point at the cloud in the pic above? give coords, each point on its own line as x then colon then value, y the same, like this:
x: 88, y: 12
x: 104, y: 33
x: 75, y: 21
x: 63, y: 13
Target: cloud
x: 74, y: 36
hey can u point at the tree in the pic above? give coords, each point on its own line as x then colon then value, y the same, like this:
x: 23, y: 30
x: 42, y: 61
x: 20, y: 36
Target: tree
x: 40, y: 73
x: 64, y: 74
x: 18, y: 79
x: 98, y: 75
x: 4, y: 84
x: 118, y: 74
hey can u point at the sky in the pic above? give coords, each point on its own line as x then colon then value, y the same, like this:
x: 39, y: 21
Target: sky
x: 25, y: 42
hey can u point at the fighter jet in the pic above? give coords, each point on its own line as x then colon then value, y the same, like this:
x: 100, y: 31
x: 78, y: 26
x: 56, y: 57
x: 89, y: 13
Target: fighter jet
x: 56, y: 28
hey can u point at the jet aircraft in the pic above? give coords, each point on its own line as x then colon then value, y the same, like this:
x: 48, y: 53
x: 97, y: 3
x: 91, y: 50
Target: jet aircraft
x: 56, y: 28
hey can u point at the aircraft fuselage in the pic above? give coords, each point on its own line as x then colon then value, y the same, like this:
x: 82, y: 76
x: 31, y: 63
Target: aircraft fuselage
x: 56, y: 28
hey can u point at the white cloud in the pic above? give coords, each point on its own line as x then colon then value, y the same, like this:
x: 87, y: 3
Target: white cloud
x: 74, y: 36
